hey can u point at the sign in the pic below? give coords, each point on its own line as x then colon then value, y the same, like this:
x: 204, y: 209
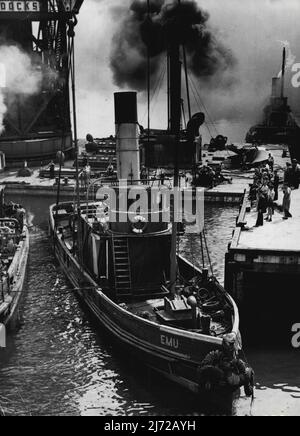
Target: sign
x: 2, y: 336
x: 19, y: 6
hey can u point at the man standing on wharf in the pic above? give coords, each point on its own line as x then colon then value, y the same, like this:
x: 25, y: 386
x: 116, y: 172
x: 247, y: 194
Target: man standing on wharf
x: 286, y: 201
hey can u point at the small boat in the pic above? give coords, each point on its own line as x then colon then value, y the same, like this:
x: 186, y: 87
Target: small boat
x: 14, y: 249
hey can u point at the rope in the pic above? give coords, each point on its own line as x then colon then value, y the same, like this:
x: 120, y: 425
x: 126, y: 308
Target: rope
x: 204, y: 106
x: 158, y: 88
x: 193, y: 254
x: 202, y: 250
x: 197, y: 104
x: 162, y: 75
x: 207, y: 251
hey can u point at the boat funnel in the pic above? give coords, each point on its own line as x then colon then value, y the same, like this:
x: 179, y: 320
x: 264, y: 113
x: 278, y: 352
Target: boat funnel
x: 127, y: 135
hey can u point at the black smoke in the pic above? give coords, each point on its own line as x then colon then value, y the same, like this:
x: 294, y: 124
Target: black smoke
x: 142, y: 32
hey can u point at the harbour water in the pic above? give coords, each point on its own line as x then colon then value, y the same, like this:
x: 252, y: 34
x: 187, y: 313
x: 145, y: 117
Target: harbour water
x: 58, y: 364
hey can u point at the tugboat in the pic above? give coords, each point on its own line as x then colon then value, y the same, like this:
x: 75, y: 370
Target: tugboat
x: 124, y: 265
x: 174, y: 317
x: 14, y: 249
x: 279, y: 125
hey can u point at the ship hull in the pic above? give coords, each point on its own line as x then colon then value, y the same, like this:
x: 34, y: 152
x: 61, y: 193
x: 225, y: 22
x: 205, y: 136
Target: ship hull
x: 35, y: 150
x: 175, y: 354
x: 10, y: 309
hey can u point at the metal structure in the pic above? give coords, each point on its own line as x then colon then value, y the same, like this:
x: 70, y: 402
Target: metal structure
x: 37, y: 126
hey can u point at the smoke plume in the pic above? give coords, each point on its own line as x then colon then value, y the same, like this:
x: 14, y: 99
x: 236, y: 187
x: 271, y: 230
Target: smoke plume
x: 144, y: 32
x: 250, y: 28
x: 18, y: 76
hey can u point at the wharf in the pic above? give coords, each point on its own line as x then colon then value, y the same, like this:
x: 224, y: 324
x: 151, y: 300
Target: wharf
x: 279, y: 239
x: 262, y: 273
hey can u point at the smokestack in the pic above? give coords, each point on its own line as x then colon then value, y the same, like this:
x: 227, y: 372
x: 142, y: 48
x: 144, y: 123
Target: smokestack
x: 127, y: 134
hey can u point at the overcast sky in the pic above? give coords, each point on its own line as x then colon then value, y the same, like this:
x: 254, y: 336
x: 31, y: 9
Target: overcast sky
x: 252, y: 29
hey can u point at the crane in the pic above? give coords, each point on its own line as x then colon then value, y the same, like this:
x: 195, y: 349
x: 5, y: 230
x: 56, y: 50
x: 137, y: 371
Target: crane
x: 35, y: 125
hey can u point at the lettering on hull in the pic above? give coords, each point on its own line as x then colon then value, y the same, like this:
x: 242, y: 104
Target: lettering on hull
x: 169, y: 341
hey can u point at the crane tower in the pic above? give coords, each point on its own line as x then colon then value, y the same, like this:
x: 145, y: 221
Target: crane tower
x: 36, y: 126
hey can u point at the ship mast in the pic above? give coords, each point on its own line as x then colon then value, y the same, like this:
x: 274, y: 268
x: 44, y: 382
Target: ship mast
x: 175, y: 113
x: 283, y: 72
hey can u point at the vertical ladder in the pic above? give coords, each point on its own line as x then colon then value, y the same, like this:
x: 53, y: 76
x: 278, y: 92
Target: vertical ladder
x: 123, y: 283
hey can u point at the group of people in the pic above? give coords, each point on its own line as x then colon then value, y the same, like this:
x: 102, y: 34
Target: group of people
x: 265, y: 189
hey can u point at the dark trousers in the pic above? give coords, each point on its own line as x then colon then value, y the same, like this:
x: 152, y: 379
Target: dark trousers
x: 260, y: 219
x: 287, y: 214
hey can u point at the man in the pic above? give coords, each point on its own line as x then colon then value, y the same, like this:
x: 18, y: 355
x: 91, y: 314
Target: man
x: 110, y: 169
x: 51, y: 170
x: 288, y: 174
x: 276, y: 182
x: 271, y: 162
x: 295, y: 174
x: 144, y: 175
x: 91, y: 146
x: 270, y: 203
x: 286, y: 205
x: 262, y: 197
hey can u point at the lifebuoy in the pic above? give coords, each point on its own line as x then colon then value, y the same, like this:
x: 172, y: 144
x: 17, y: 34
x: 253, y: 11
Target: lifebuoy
x: 139, y: 224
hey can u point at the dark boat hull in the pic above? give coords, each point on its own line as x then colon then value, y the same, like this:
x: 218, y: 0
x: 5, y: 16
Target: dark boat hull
x: 10, y: 311
x: 176, y: 354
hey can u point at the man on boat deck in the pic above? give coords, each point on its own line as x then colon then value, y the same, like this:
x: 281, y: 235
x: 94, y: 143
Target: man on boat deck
x: 110, y: 169
x: 144, y: 175
x: 90, y: 140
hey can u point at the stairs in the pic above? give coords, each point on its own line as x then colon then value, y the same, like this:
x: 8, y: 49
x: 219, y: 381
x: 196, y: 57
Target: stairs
x: 123, y: 283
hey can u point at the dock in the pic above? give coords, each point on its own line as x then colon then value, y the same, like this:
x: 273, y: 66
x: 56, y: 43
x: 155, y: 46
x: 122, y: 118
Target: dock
x: 38, y: 184
x: 262, y: 271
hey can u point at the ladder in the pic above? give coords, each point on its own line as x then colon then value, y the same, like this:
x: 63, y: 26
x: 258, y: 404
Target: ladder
x: 123, y: 283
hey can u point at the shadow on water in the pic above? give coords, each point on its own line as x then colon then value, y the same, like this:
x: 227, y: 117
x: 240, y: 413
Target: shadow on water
x: 58, y: 363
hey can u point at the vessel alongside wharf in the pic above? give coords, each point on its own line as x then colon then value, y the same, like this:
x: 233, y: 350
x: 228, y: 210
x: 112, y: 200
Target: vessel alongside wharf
x: 36, y: 186
x: 14, y: 252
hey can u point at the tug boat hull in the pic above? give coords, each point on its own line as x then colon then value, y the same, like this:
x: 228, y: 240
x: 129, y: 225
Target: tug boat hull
x: 174, y: 353
x: 13, y: 283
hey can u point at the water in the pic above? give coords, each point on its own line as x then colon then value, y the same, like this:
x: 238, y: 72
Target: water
x: 57, y: 363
